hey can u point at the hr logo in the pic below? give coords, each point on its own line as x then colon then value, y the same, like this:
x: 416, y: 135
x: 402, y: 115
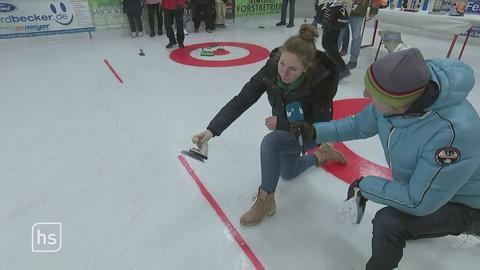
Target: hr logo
x: 46, y: 237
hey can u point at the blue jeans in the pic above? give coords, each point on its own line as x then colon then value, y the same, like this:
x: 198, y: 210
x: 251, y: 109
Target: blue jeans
x: 356, y: 29
x: 393, y: 228
x: 355, y: 23
x: 280, y: 155
x: 284, y: 11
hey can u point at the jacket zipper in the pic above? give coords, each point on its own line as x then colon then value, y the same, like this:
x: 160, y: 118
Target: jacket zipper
x: 392, y: 129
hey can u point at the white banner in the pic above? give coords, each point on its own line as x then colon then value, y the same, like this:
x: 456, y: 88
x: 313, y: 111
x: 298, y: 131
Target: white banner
x: 25, y: 18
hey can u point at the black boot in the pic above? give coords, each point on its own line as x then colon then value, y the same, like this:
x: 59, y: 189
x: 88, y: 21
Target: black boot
x: 351, y: 65
x: 344, y: 73
x: 170, y: 44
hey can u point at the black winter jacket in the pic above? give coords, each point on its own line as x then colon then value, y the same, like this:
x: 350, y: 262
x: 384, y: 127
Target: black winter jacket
x: 333, y: 13
x: 315, y: 94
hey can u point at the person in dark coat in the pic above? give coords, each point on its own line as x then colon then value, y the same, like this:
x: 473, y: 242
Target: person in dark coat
x: 208, y: 9
x: 133, y: 9
x: 298, y: 79
x: 334, y: 15
x: 173, y: 10
x: 283, y: 16
x: 154, y: 9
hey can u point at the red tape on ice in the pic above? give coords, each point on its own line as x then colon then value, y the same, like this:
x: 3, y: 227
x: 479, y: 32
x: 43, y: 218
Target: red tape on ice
x: 357, y: 166
x: 113, y: 70
x: 236, y: 235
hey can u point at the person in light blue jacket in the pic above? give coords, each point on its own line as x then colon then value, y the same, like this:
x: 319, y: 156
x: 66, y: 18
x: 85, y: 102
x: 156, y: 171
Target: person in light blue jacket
x: 429, y: 134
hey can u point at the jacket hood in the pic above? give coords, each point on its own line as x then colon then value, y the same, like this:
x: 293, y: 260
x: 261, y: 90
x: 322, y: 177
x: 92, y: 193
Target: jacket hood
x: 455, y: 80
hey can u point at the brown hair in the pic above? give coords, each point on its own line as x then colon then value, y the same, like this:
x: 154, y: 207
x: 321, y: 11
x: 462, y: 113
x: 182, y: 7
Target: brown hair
x: 303, y: 44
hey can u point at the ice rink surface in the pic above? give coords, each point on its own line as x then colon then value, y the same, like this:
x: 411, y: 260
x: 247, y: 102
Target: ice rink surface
x: 101, y: 157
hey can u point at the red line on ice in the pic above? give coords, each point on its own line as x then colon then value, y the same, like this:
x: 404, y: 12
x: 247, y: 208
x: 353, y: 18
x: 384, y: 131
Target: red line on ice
x: 236, y: 235
x: 113, y: 70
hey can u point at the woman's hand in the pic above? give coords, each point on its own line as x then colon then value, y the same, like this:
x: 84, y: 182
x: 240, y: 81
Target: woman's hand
x: 202, y: 137
x: 271, y: 122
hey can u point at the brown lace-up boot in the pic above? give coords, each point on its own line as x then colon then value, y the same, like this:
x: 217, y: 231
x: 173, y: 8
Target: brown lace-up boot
x: 264, y: 206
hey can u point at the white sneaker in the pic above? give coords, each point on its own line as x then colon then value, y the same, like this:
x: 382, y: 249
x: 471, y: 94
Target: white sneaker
x: 139, y: 34
x: 134, y: 34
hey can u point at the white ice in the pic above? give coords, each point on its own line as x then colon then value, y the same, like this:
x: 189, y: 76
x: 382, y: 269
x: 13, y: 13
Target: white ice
x: 78, y: 147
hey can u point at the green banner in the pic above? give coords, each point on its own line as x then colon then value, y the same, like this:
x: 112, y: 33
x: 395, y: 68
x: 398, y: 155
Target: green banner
x: 257, y: 7
x: 107, y: 14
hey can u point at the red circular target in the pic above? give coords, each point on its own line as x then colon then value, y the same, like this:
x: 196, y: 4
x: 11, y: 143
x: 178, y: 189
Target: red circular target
x: 185, y: 55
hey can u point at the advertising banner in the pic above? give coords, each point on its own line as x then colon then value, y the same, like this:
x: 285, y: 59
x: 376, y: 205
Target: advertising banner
x: 108, y: 14
x: 473, y: 7
x: 25, y: 18
x: 257, y: 7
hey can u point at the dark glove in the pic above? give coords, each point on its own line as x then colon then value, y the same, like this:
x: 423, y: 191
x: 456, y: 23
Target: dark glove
x: 351, y: 192
x: 305, y: 128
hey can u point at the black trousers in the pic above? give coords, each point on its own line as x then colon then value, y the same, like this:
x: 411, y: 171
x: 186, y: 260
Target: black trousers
x: 135, y: 23
x: 291, y: 15
x: 208, y: 9
x: 330, y: 44
x: 392, y: 228
x: 177, y: 15
x: 155, y: 10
